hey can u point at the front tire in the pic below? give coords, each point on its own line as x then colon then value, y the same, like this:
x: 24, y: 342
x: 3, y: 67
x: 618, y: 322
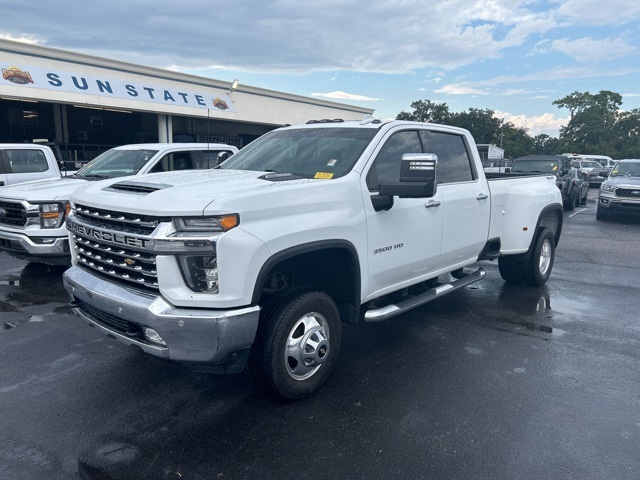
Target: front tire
x: 297, y: 344
x: 538, y: 268
x: 600, y: 213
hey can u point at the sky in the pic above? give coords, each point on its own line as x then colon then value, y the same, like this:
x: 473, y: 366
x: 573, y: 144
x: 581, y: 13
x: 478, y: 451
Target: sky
x: 514, y: 57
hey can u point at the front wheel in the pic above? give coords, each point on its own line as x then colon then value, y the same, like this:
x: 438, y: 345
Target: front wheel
x: 297, y: 344
x: 600, y: 213
x: 538, y: 268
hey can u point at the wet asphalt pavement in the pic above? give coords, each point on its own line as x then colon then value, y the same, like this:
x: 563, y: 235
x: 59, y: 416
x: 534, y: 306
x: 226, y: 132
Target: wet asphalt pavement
x: 490, y: 382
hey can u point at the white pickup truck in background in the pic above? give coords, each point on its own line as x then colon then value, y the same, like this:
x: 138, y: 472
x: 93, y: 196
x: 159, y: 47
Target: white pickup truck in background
x: 260, y: 260
x: 32, y: 214
x: 25, y: 162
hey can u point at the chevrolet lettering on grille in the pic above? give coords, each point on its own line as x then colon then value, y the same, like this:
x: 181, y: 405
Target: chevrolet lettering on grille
x: 109, y: 237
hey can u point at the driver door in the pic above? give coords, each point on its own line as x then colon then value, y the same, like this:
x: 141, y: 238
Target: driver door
x: 403, y: 241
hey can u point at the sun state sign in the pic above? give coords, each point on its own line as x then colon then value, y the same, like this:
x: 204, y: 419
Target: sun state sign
x: 119, y: 85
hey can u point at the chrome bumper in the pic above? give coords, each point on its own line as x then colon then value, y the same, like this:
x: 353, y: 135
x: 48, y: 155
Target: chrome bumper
x: 192, y: 336
x: 59, y: 245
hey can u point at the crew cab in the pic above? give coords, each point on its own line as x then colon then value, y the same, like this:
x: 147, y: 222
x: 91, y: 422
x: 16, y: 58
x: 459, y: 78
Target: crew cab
x: 32, y: 215
x: 570, y: 181
x: 260, y: 260
x: 24, y: 162
x: 620, y: 190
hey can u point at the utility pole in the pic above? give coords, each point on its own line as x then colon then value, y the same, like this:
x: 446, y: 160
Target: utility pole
x: 501, y: 132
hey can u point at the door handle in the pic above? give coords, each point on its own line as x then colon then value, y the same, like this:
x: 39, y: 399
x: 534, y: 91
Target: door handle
x: 432, y: 203
x: 482, y: 196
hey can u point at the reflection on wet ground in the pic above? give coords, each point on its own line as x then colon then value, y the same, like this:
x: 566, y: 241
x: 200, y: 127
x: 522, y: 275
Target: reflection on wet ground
x: 520, y: 310
x: 36, y: 284
x: 30, y: 292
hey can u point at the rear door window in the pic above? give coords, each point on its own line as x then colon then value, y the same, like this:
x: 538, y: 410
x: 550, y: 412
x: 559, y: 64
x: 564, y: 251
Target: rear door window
x: 454, y: 161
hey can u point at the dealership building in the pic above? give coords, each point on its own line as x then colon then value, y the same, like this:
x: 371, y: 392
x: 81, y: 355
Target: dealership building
x: 85, y: 105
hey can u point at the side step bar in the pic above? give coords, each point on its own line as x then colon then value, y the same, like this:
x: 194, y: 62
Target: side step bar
x: 385, y: 313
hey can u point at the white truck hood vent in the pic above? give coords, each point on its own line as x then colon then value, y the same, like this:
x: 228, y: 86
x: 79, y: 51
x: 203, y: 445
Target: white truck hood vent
x: 139, y: 188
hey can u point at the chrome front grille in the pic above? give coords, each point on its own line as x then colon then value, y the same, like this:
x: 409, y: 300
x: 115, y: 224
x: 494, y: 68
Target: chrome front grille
x: 120, y: 221
x: 127, y: 265
x: 13, y: 214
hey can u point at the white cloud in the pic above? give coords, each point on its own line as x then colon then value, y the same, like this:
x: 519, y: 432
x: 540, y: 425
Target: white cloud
x: 598, y: 12
x: 30, y: 39
x: 344, y: 96
x: 288, y: 36
x: 547, y: 123
x: 461, y: 89
x: 589, y: 50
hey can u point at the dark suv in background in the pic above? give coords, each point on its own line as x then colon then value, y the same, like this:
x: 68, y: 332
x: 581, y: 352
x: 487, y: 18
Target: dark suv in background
x: 571, y: 181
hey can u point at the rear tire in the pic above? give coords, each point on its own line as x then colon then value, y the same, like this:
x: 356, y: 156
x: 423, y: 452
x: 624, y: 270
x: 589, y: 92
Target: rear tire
x: 569, y: 202
x: 297, y: 343
x: 537, y: 270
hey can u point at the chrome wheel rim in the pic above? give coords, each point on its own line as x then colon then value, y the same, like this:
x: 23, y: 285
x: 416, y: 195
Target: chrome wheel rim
x: 307, y: 346
x: 545, y: 257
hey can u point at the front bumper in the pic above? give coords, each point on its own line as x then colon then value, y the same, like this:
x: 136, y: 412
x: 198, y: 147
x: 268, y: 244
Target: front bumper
x: 216, y: 341
x: 614, y: 204
x: 54, y: 250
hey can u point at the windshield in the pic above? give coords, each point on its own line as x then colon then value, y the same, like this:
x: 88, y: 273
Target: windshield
x: 542, y: 166
x: 590, y: 164
x: 631, y: 169
x: 312, y: 153
x: 116, y: 163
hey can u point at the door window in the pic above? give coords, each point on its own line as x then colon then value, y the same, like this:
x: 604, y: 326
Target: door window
x: 386, y: 166
x: 454, y: 161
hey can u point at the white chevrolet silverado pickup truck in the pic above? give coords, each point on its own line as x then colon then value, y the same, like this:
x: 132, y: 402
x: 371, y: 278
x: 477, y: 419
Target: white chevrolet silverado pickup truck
x: 259, y: 260
x: 32, y: 214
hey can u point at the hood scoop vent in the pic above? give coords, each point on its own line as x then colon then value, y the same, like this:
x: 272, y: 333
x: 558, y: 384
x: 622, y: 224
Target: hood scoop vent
x: 138, y: 188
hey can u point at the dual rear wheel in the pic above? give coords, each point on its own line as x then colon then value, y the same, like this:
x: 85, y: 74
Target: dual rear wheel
x: 536, y: 270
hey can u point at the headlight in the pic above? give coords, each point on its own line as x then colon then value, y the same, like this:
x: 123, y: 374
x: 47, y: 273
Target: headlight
x: 608, y: 188
x: 219, y: 223
x: 52, y: 214
x: 200, y: 273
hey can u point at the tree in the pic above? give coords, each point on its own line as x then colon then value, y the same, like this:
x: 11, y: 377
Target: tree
x: 544, y: 144
x: 592, y: 126
x: 427, y: 111
x: 482, y: 124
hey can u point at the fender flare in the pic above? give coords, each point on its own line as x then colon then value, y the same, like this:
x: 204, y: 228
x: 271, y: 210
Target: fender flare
x: 523, y: 257
x: 307, y: 248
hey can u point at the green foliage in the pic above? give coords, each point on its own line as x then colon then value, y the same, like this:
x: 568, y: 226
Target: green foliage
x: 596, y: 126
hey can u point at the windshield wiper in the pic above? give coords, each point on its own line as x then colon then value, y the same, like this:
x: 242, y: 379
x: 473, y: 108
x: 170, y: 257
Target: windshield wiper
x: 92, y: 175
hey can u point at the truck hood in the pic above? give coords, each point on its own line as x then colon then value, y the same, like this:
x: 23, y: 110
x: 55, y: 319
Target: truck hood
x: 51, y: 189
x: 187, y: 192
x: 619, y: 181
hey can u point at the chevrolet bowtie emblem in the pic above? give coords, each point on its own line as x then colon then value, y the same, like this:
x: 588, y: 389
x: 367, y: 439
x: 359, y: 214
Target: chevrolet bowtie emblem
x: 129, y: 261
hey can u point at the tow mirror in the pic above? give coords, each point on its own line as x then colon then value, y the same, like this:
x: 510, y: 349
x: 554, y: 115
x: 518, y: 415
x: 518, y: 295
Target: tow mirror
x: 417, y: 177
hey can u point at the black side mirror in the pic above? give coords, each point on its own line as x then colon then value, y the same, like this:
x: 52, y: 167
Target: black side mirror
x: 603, y: 174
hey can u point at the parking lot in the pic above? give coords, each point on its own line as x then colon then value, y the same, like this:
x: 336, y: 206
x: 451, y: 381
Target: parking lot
x: 493, y: 381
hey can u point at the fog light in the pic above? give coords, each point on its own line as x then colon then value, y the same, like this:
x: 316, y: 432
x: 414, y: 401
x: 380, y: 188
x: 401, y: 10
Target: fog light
x: 154, y: 337
x: 44, y: 240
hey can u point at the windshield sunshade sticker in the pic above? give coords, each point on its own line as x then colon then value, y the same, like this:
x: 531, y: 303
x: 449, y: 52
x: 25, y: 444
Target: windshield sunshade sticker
x: 323, y: 175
